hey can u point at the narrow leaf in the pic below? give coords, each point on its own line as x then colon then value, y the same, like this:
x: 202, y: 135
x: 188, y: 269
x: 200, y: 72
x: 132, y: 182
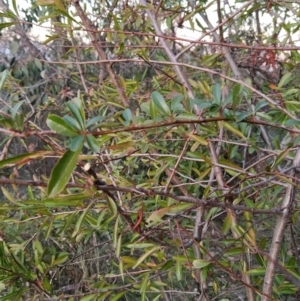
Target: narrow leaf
x: 236, y: 95
x: 200, y: 263
x: 117, y: 296
x: 144, y: 283
x: 257, y: 271
x: 160, y: 103
x: 76, y: 113
x: 60, y: 126
x: 156, y: 216
x: 198, y: 138
x: 9, y: 196
x: 22, y: 159
x: 144, y: 256
x: 217, y: 92
x: 76, y: 143
x: 3, y: 76
x: 234, y: 130
x: 81, y: 219
x: 285, y: 79
x: 62, y: 171
x: 16, y: 108
x: 72, y: 122
x: 153, y: 110
x: 140, y: 245
x: 92, y: 143
x: 279, y: 159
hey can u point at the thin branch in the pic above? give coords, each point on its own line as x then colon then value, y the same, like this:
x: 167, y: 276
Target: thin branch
x: 219, y: 26
x: 168, y: 51
x: 92, y: 32
x: 213, y: 72
x: 231, y: 213
x: 213, y: 202
x: 278, y: 232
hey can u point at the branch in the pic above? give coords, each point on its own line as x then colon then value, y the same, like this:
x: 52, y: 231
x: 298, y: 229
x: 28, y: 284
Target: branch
x: 278, y: 232
x: 212, y: 43
x: 235, y: 80
x: 168, y: 51
x: 219, y: 26
x: 232, y: 214
x: 213, y: 202
x: 92, y: 33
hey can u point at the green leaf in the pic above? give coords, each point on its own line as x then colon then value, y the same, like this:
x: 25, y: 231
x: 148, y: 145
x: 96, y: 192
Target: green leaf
x: 217, y: 93
x: 241, y: 116
x: 115, y: 234
x: 94, y: 120
x: 81, y: 219
x: 156, y: 216
x: 200, y: 263
x: 72, y: 122
x: 16, y: 108
x: 180, y: 207
x: 257, y: 271
x: 152, y: 110
x: 205, y: 105
x: 127, y: 114
x: 73, y: 200
x: 160, y: 103
x: 116, y: 296
x: 112, y: 207
x: 9, y: 196
x: 236, y: 95
x: 140, y: 245
x: 198, y: 138
x: 7, y: 24
x: 295, y: 274
x: 291, y: 122
x: 76, y: 112
x: 119, y: 245
x: 91, y: 297
x: 290, y: 92
x: 21, y: 159
x: 227, y: 224
x: 19, y: 121
x: 62, y: 171
x: 260, y: 105
x: 93, y: 143
x: 3, y: 76
x: 62, y: 257
x: 178, y: 270
x: 234, y: 251
x: 60, y: 126
x: 285, y: 80
x: 234, y: 130
x: 38, y: 246
x: 63, y: 12
x: 144, y: 256
x: 176, y: 104
x: 144, y: 283
x: 76, y: 143
x: 279, y: 158
x: 50, y: 39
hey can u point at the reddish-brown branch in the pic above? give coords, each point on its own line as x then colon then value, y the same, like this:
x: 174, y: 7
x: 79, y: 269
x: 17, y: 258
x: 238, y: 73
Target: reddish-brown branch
x: 134, y: 128
x: 213, y: 202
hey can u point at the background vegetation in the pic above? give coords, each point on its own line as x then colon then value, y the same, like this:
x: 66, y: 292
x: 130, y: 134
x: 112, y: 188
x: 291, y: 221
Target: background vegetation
x: 138, y: 164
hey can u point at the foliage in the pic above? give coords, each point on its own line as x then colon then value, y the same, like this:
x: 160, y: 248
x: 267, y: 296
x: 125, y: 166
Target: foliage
x: 138, y: 165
